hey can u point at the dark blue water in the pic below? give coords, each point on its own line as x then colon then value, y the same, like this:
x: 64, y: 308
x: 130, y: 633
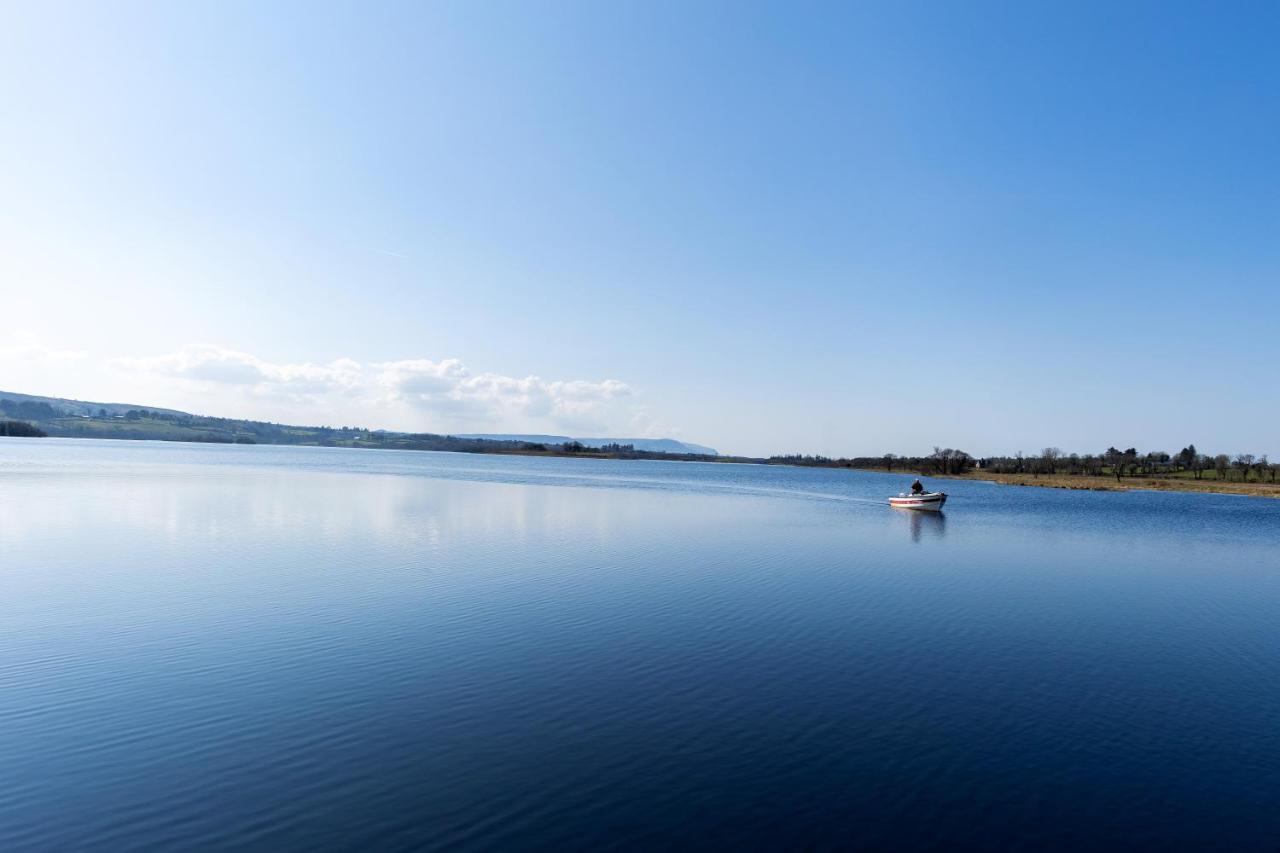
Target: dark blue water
x: 311, y: 649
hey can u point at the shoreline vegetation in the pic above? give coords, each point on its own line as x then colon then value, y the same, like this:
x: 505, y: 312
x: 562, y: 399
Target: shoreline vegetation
x: 1188, y: 470
x: 1113, y: 470
x: 21, y: 429
x: 1253, y: 488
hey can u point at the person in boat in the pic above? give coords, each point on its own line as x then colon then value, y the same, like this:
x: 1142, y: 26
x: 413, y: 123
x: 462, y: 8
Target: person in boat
x: 917, y: 488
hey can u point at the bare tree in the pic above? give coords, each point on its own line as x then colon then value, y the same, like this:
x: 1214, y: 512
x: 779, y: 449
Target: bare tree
x: 1092, y: 464
x: 1221, y: 463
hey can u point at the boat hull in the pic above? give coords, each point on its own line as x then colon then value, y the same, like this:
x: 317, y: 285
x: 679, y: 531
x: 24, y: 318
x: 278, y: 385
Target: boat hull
x: 929, y: 502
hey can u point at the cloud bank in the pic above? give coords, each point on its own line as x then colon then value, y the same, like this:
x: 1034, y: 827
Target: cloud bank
x: 223, y: 366
x: 439, y: 395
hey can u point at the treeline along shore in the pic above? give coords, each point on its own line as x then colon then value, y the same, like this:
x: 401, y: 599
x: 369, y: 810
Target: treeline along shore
x: 1187, y: 470
x: 1113, y: 469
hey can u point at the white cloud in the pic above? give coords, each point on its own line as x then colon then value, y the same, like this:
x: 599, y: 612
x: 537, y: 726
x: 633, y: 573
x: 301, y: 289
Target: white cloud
x: 204, y: 363
x: 448, y: 387
x: 437, y: 395
x: 419, y: 378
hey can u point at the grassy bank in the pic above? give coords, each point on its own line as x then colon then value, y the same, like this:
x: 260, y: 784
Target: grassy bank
x: 1110, y: 484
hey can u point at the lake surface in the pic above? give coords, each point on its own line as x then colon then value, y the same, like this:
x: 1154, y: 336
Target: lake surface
x: 207, y: 647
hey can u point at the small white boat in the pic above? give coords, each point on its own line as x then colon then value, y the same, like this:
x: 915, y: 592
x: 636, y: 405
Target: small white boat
x: 925, y: 500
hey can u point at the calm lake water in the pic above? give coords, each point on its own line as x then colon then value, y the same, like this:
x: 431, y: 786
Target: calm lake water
x: 319, y: 649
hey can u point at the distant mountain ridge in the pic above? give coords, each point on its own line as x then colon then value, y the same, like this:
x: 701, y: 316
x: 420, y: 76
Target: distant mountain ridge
x: 60, y: 416
x: 653, y: 445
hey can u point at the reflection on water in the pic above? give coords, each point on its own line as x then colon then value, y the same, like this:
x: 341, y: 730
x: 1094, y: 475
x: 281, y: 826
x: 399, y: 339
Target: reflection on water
x: 293, y: 648
x: 934, y: 523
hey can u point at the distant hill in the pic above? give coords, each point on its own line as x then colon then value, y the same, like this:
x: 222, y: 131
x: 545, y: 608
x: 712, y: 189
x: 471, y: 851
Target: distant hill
x: 65, y: 418
x: 652, y: 445
x: 81, y: 407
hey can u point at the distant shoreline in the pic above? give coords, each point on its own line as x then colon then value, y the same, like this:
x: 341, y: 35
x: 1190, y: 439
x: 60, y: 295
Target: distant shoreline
x: 1074, y: 482
x: 1186, y: 471
x: 1084, y: 482
x: 400, y: 441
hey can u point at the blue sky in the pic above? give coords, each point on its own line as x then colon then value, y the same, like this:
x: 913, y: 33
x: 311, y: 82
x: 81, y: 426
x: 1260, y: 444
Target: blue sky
x: 768, y: 228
